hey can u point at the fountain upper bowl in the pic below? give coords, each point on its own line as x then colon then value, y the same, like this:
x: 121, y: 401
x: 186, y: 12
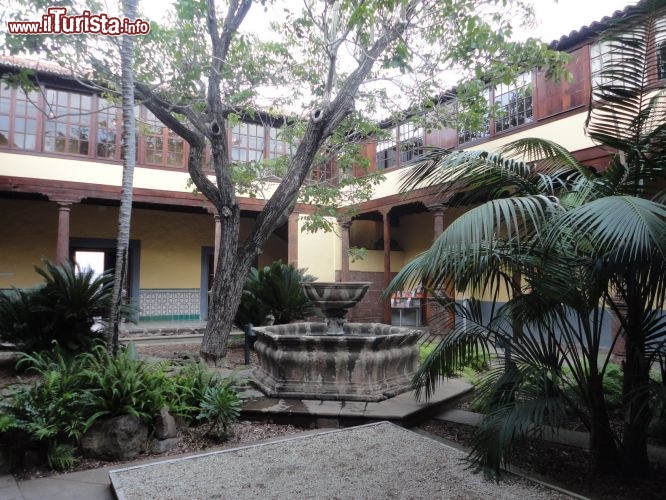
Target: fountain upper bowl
x: 348, y: 293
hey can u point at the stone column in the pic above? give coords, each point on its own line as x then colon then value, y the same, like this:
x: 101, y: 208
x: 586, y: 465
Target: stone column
x: 438, y: 320
x: 345, y: 224
x: 62, y: 243
x: 438, y: 219
x: 387, y: 261
x: 292, y: 239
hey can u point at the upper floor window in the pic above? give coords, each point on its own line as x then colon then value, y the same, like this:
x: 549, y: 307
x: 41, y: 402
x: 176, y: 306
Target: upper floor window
x: 386, y: 149
x: 514, y: 103
x: 67, y: 127
x: 108, y: 131
x: 471, y: 131
x: 160, y: 145
x: 323, y: 171
x: 247, y: 142
x: 513, y: 107
x: 603, y: 57
x: 18, y: 118
x: 404, y: 145
x: 277, y: 145
x: 410, y: 137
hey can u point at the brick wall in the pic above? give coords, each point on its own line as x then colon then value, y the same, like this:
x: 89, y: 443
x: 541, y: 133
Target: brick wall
x: 371, y: 307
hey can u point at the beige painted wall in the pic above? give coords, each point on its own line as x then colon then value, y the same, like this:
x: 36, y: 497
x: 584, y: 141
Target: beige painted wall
x: 171, y: 247
x: 89, y: 171
x: 171, y: 242
x: 374, y: 262
x: 415, y: 234
x: 365, y: 233
x: 27, y: 233
x: 319, y: 252
x: 275, y: 248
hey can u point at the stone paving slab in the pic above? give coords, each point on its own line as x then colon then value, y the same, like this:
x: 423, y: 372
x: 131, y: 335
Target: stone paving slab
x: 399, y: 408
x: 373, y: 461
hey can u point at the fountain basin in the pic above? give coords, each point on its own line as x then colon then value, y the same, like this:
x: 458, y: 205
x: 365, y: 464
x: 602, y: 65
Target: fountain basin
x: 368, y: 362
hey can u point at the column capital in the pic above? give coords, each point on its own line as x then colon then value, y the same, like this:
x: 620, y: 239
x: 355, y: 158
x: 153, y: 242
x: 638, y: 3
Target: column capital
x: 436, y: 207
x: 345, y: 221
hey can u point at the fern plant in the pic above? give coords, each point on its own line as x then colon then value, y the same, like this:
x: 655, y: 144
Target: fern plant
x: 120, y: 384
x: 50, y: 415
x: 188, y: 388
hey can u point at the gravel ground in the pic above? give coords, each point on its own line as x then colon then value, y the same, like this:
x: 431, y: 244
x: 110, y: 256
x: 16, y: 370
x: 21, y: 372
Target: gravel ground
x: 381, y: 461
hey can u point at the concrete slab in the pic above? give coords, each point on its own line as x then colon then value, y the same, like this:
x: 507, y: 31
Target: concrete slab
x: 9, y: 489
x: 92, y: 484
x: 374, y: 461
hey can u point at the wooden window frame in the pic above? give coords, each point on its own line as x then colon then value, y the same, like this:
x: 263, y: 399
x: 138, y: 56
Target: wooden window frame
x: 68, y: 119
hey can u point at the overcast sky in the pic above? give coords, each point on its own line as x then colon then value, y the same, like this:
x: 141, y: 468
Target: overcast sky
x: 554, y: 18
x: 560, y: 18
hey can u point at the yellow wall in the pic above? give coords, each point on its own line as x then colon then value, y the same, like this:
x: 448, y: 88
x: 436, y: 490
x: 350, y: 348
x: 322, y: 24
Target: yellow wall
x: 364, y: 233
x: 568, y: 132
x: 415, y: 234
x: 319, y: 253
x: 88, y: 171
x: 27, y: 233
x: 171, y: 242
x: 374, y: 262
x: 171, y: 247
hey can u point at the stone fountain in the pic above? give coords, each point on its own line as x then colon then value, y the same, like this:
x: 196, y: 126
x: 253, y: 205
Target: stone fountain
x: 335, y: 360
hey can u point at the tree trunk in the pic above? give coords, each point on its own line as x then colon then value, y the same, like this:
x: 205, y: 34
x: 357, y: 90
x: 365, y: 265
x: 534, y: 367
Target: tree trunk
x: 226, y: 295
x: 636, y: 374
x: 602, y: 440
x: 636, y: 399
x: 129, y: 151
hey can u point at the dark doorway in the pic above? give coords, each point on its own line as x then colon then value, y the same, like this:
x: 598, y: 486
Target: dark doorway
x: 100, y: 254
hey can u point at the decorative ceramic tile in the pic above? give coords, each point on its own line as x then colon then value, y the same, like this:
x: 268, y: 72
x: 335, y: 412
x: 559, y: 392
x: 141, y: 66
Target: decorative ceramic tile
x: 169, y: 302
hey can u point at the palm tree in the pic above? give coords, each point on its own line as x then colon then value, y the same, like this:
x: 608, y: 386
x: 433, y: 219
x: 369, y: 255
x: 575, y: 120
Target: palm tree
x: 582, y: 241
x: 129, y: 161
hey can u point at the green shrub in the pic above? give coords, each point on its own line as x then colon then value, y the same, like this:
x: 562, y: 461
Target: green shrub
x: 75, y: 391
x: 472, y: 366
x: 275, y: 290
x: 48, y: 417
x: 612, y: 386
x: 63, y: 309
x: 121, y: 384
x: 220, y: 407
x: 188, y: 388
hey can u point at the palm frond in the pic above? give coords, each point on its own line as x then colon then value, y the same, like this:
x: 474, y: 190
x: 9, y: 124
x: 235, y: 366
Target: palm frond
x: 631, y: 227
